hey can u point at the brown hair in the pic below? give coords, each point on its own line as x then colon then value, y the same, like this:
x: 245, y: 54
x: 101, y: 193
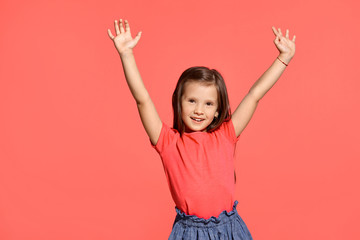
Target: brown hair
x: 207, y: 77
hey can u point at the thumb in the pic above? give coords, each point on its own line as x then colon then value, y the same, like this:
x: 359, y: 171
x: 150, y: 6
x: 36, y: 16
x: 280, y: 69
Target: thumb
x: 277, y: 40
x: 138, y: 36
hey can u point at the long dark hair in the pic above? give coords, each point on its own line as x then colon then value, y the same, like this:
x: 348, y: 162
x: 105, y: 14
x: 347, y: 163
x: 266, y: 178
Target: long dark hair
x: 207, y: 77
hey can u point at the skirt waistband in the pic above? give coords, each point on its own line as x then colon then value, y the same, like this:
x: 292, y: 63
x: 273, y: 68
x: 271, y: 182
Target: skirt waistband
x: 193, y: 220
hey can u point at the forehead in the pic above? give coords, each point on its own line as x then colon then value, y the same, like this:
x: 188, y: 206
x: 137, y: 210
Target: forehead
x: 198, y: 90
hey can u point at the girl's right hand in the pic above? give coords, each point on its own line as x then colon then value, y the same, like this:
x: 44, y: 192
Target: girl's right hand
x: 123, y: 40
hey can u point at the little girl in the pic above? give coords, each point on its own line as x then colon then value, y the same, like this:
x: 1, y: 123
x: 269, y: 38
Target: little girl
x: 198, y: 151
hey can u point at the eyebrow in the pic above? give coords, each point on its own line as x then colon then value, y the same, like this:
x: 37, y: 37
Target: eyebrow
x: 209, y: 100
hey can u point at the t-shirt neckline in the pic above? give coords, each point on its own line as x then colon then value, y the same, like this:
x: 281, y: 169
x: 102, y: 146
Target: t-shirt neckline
x: 195, y: 132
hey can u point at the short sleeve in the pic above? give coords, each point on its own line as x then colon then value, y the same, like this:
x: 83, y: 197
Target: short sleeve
x: 229, y: 129
x: 166, y: 137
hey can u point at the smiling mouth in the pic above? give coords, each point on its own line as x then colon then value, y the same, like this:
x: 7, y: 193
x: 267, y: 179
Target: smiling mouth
x: 197, y: 119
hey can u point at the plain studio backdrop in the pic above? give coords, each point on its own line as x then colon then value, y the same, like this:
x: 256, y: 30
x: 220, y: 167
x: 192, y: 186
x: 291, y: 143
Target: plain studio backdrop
x: 75, y: 160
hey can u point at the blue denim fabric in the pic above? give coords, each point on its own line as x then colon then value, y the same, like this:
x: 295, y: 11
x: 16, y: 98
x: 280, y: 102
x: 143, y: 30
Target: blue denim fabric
x: 227, y: 226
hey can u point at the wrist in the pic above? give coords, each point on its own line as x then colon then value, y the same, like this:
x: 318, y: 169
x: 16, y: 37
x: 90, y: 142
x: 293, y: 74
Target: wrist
x: 126, y: 52
x: 286, y: 58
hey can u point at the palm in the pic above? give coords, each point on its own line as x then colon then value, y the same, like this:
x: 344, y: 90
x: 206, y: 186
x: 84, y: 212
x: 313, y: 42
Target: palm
x: 123, y: 40
x: 283, y: 43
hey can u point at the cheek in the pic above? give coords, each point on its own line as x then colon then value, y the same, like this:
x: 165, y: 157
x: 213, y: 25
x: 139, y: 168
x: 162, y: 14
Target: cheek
x: 184, y: 110
x: 211, y: 112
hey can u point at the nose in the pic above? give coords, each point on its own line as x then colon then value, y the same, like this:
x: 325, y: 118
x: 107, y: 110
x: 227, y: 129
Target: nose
x: 198, y: 110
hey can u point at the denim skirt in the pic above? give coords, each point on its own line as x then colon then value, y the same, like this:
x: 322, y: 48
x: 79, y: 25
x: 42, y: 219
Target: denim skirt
x: 227, y: 226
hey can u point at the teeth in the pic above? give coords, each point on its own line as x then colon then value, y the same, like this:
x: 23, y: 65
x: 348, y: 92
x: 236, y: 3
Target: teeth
x: 198, y: 120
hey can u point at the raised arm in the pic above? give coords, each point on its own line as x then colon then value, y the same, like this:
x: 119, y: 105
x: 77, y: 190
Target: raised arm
x: 246, y: 108
x: 124, y: 44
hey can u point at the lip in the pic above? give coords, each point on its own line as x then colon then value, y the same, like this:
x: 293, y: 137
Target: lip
x: 192, y: 119
x: 198, y: 118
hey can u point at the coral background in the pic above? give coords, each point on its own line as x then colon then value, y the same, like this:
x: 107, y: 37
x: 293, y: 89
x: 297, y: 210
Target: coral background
x: 75, y: 160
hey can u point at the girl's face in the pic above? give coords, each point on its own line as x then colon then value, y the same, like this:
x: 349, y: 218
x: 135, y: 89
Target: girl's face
x: 199, y: 105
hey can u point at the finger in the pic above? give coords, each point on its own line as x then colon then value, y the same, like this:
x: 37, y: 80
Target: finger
x: 117, y: 28
x: 121, y: 27
x: 280, y: 33
x: 274, y: 30
x: 127, y: 27
x: 110, y: 34
x: 294, y: 38
x: 277, y: 40
x: 138, y: 36
x: 287, y: 33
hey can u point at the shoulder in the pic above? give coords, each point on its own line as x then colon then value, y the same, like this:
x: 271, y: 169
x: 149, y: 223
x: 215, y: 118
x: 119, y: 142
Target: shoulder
x: 228, y: 129
x: 167, y: 136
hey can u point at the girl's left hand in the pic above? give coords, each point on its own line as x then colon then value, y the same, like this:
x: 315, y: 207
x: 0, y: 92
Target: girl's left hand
x: 285, y: 46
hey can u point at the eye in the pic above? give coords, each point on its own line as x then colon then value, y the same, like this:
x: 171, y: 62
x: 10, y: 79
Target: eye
x: 209, y: 104
x: 191, y: 100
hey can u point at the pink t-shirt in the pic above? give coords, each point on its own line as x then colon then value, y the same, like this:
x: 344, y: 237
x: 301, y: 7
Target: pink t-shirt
x: 199, y: 168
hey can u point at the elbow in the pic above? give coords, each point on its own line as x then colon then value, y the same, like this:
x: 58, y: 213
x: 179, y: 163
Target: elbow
x: 142, y: 101
x: 255, y: 95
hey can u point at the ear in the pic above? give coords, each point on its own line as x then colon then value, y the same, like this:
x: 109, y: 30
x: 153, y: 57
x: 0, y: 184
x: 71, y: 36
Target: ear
x: 216, y: 114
